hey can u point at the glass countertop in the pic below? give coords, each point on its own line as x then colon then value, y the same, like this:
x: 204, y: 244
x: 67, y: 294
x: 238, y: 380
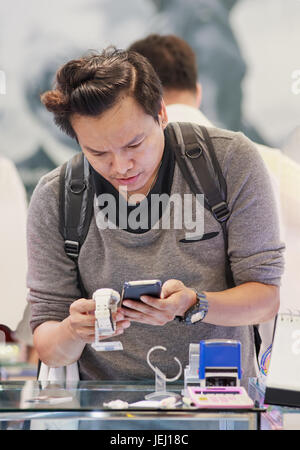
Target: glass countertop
x: 18, y: 396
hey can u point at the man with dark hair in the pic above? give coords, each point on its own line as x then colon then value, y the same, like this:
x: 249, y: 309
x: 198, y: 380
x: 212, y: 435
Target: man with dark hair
x: 112, y: 104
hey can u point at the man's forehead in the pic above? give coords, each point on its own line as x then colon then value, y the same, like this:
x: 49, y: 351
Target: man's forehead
x: 120, y: 126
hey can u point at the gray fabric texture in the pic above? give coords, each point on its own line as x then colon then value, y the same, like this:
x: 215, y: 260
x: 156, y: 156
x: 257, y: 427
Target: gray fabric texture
x: 110, y: 257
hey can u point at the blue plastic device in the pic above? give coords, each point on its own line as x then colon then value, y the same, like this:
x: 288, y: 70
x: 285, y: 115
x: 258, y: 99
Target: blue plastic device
x: 219, y: 353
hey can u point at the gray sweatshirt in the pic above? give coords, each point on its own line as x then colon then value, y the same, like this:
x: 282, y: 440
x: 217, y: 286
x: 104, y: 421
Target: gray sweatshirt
x: 111, y: 256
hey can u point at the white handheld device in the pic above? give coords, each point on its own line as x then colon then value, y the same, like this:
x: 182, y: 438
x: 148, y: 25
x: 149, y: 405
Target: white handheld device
x: 105, y: 324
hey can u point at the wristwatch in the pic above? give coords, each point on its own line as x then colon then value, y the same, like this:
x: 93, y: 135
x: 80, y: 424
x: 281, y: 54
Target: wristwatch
x: 197, y: 312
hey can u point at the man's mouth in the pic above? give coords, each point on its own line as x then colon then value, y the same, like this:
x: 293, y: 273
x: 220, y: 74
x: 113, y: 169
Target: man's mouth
x: 128, y: 180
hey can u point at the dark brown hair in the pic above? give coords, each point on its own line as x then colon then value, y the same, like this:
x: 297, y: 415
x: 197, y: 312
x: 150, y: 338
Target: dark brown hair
x: 92, y: 84
x: 172, y: 58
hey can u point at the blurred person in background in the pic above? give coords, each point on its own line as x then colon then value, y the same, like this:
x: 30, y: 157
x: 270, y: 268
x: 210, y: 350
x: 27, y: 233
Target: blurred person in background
x: 14, y: 311
x: 291, y: 147
x: 175, y: 63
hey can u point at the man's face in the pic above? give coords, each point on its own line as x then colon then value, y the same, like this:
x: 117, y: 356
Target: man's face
x: 124, y: 144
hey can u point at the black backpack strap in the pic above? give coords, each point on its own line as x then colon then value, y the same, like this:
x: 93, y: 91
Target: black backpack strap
x: 190, y: 155
x: 192, y: 161
x: 222, y: 208
x: 76, y: 197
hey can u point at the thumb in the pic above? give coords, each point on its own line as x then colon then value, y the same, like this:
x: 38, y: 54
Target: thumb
x: 170, y: 287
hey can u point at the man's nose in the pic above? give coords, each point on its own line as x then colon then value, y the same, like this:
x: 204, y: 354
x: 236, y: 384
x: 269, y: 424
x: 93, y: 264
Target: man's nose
x: 121, y: 164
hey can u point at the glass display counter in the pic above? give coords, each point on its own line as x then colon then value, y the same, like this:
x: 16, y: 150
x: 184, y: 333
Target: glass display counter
x: 83, y: 405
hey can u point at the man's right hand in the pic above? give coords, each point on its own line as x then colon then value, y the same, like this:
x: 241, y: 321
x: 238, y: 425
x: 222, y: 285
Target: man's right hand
x: 82, y: 321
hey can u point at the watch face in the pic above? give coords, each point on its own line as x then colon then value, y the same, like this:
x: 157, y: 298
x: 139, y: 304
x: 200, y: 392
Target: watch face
x: 198, y: 311
x: 198, y: 316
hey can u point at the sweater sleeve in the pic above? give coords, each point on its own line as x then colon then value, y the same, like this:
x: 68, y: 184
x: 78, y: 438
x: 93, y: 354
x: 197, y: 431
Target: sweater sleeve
x: 52, y: 275
x: 254, y: 245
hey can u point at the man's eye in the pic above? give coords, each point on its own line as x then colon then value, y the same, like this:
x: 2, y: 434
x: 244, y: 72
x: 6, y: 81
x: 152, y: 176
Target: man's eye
x: 98, y: 153
x: 135, y: 145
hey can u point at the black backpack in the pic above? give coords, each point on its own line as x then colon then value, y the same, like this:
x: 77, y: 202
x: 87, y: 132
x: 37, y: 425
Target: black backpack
x: 77, y: 192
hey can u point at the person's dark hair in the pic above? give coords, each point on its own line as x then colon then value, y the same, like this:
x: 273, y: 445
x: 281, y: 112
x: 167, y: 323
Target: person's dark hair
x: 172, y: 58
x: 92, y: 84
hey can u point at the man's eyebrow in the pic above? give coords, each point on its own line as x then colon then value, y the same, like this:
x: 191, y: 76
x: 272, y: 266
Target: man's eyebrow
x: 137, y: 138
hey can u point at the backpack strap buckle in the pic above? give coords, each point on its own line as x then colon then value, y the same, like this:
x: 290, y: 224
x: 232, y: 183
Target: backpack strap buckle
x: 72, y: 249
x: 192, y: 151
x: 77, y: 186
x: 220, y: 211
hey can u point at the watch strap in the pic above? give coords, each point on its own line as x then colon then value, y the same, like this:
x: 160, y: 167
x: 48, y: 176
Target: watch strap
x: 196, y: 312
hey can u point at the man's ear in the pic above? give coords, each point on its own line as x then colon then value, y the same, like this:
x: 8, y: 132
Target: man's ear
x: 162, y: 115
x: 198, y: 94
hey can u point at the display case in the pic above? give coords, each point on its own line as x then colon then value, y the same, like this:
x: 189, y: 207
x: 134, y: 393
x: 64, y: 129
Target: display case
x: 83, y: 405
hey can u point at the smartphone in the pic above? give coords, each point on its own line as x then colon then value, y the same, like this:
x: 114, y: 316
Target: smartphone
x: 134, y: 289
